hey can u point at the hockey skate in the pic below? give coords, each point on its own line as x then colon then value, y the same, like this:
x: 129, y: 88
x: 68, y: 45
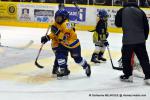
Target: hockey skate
x: 63, y: 73
x: 126, y: 78
x: 94, y: 58
x: 102, y: 59
x: 88, y: 70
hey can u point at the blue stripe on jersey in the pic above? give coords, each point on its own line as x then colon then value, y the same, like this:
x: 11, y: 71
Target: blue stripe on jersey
x: 74, y: 43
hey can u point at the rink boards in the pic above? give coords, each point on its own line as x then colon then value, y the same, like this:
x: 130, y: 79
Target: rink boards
x: 39, y: 15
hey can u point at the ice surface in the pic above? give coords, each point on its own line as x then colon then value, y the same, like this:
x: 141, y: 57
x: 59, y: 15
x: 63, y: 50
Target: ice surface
x: 20, y: 79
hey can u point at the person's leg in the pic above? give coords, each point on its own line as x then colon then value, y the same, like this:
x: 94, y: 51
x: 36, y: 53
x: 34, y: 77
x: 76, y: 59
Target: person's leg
x: 141, y: 52
x: 132, y: 61
x: 97, y: 48
x: 76, y: 55
x: 127, y: 51
x: 101, y: 52
x: 95, y: 54
x: 61, y: 56
x: 126, y: 63
x: 55, y: 66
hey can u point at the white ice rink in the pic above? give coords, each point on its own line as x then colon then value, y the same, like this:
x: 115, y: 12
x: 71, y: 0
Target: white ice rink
x: 20, y: 79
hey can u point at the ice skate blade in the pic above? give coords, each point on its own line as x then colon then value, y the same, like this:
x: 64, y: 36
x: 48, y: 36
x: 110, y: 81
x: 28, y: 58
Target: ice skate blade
x: 95, y: 62
x: 126, y: 80
x: 102, y: 61
x: 130, y: 79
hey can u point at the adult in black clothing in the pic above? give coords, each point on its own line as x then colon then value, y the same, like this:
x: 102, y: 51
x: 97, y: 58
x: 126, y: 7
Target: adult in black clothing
x: 135, y: 28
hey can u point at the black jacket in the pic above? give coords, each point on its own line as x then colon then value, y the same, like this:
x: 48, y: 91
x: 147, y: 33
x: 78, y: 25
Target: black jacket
x: 134, y: 24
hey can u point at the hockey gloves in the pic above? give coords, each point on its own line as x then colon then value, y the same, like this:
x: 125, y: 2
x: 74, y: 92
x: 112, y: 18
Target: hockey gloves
x: 106, y: 43
x: 44, y: 39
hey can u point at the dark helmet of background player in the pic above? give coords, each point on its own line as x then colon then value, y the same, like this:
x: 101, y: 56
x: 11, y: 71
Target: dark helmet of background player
x: 102, y: 14
x: 61, y: 16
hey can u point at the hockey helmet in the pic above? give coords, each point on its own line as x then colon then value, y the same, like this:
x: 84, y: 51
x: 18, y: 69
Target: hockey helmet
x: 61, y: 15
x: 102, y: 14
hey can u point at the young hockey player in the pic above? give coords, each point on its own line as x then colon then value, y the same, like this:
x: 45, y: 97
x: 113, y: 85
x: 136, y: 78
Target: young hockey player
x: 68, y: 42
x: 100, y: 37
x: 54, y: 45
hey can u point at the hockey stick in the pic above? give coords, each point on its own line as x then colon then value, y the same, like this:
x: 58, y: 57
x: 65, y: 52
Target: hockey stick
x: 20, y: 48
x: 78, y: 10
x: 92, y: 30
x: 36, y: 60
x: 116, y: 68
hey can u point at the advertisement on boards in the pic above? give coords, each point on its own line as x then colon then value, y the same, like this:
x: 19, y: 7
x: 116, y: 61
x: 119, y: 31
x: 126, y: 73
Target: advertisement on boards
x: 43, y: 15
x: 25, y: 15
x: 8, y: 11
x: 75, y: 16
x: 36, y: 12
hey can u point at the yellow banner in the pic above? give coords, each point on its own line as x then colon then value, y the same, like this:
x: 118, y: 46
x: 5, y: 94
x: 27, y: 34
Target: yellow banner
x: 8, y: 11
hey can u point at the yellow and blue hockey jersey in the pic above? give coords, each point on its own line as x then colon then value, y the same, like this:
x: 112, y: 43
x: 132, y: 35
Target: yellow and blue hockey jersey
x: 67, y: 36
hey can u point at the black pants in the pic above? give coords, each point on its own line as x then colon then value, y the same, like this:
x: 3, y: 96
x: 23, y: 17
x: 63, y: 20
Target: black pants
x: 141, y: 53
